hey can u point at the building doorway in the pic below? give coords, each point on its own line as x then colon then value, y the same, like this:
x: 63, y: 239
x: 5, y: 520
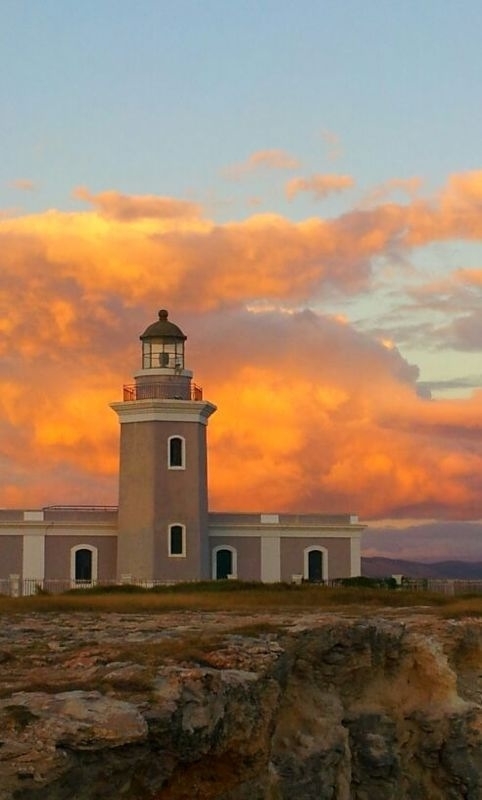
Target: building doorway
x: 315, y: 566
x: 83, y: 565
x: 224, y: 564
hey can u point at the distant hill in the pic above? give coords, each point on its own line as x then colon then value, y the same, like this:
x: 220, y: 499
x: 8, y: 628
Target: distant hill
x: 451, y: 570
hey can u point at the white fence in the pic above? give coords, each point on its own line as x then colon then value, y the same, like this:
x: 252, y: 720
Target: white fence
x: 14, y: 586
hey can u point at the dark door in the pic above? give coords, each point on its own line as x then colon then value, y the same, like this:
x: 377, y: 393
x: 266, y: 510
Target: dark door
x: 224, y: 564
x: 315, y: 566
x: 83, y: 565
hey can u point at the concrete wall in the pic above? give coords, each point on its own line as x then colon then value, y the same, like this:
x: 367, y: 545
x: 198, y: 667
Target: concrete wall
x: 292, y: 556
x: 248, y: 555
x: 11, y: 548
x: 153, y: 497
x: 58, y: 555
x: 33, y: 546
x: 277, y: 558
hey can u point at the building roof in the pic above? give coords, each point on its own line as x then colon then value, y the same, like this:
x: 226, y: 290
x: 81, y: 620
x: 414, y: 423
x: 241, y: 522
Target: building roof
x: 163, y: 329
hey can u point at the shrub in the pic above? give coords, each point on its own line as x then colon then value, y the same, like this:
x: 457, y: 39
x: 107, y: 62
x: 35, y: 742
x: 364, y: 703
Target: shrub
x: 108, y: 588
x: 369, y: 583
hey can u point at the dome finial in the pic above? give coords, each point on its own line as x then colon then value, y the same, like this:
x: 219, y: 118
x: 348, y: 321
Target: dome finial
x: 163, y: 314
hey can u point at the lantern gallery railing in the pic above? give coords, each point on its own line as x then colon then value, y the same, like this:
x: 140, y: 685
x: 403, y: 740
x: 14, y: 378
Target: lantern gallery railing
x: 163, y: 391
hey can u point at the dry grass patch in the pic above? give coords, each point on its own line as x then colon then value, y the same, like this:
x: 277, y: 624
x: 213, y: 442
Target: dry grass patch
x: 463, y: 606
x: 237, y: 597
x: 190, y: 648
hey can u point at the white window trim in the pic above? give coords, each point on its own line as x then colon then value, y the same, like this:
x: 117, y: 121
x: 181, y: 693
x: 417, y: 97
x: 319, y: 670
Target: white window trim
x: 95, y: 561
x: 234, y: 560
x: 183, y: 452
x: 324, y: 561
x: 183, y: 527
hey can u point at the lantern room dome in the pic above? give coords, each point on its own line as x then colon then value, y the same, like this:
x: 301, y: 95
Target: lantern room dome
x: 163, y: 329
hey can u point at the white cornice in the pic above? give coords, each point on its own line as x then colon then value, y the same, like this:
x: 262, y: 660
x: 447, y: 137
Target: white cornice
x: 295, y: 532
x: 155, y: 410
x: 57, y: 528
x: 163, y: 371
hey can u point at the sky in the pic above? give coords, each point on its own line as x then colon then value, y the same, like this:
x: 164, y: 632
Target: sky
x: 300, y: 185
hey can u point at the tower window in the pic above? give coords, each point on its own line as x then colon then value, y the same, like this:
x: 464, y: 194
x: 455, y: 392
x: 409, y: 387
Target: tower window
x: 176, y: 452
x: 177, y: 540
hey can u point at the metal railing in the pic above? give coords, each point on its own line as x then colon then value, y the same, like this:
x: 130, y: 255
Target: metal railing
x: 162, y: 391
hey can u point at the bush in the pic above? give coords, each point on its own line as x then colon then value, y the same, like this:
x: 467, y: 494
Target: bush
x: 219, y: 586
x: 361, y: 581
x: 109, y: 588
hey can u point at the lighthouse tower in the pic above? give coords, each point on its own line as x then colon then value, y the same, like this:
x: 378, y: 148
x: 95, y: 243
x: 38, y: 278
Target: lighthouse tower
x: 163, y: 506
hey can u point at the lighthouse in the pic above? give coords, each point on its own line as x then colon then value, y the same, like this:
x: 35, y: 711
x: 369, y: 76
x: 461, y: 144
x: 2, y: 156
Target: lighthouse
x: 163, y: 499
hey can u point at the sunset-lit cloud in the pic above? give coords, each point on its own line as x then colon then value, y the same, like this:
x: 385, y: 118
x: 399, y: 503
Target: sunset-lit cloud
x: 263, y: 159
x: 319, y: 186
x: 23, y: 184
x: 333, y: 143
x: 406, y: 186
x: 314, y: 413
x: 123, y: 207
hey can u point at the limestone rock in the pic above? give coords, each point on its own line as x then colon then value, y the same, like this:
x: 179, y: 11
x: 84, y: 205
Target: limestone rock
x: 327, y: 708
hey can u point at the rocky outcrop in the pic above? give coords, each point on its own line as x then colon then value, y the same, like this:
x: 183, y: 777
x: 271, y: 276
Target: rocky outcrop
x: 196, y: 705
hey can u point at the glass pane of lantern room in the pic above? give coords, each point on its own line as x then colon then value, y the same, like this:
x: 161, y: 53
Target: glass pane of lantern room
x: 146, y: 355
x: 179, y: 355
x: 168, y: 356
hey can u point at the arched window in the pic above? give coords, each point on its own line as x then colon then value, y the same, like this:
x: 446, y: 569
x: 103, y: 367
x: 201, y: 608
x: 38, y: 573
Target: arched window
x: 177, y: 540
x: 224, y: 562
x: 316, y: 564
x: 176, y: 452
x: 83, y: 563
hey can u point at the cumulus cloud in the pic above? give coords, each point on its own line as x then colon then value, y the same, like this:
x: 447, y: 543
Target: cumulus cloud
x: 23, y: 184
x: 407, y: 186
x: 439, y: 313
x: 114, y: 205
x: 460, y: 382
x: 319, y: 186
x: 313, y: 413
x: 262, y: 159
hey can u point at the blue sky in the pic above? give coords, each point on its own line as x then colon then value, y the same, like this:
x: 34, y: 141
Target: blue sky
x: 160, y: 97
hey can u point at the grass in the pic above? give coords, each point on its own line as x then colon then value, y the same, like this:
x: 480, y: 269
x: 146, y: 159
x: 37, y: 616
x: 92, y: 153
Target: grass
x: 239, y: 597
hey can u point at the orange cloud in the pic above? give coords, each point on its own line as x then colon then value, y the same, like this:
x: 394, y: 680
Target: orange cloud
x: 320, y: 186
x: 23, y: 184
x: 262, y: 159
x: 408, y: 186
x: 125, y: 208
x: 313, y: 414
x: 332, y: 420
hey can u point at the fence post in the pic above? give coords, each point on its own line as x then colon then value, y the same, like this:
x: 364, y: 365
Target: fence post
x: 14, y: 585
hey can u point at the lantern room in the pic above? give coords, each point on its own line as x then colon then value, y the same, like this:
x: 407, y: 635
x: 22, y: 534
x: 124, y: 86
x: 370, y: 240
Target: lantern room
x: 163, y: 345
